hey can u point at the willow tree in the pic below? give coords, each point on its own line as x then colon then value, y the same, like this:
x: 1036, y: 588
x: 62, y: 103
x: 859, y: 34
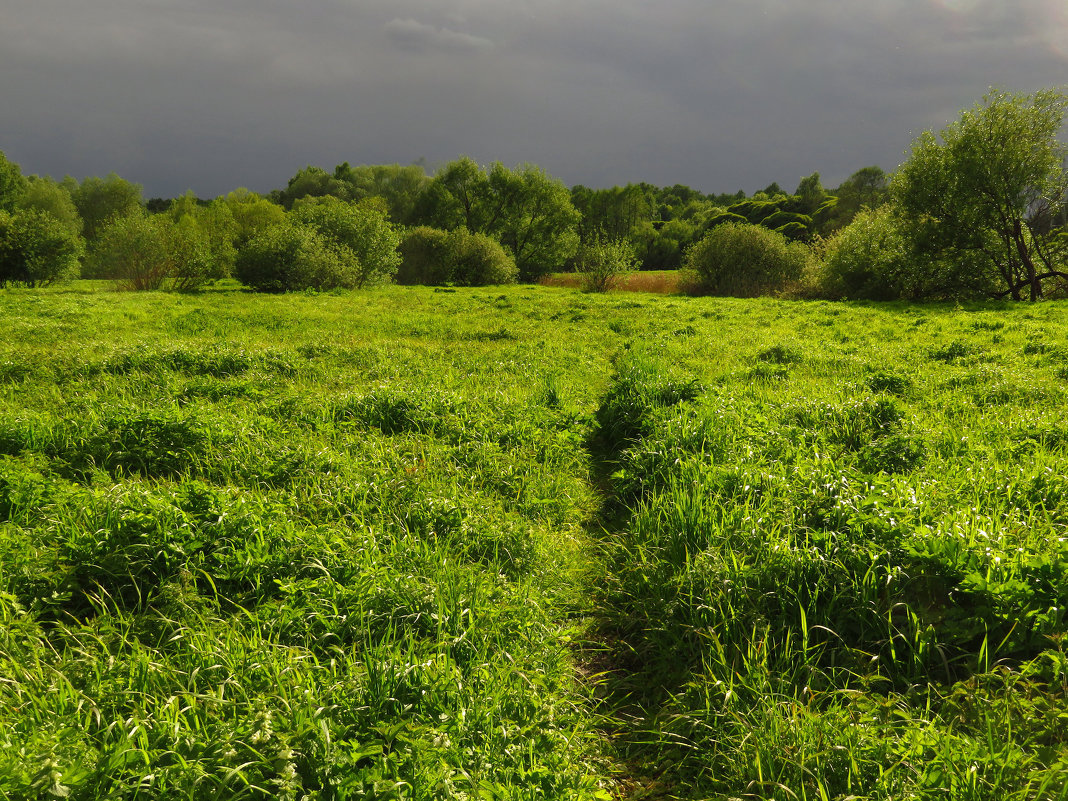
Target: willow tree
x: 983, y: 197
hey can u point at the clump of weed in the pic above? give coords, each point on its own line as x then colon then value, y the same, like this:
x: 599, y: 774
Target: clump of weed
x: 767, y: 372
x: 889, y: 382
x: 953, y: 352
x: 870, y: 428
x: 151, y: 443
x: 781, y: 354
x: 395, y: 411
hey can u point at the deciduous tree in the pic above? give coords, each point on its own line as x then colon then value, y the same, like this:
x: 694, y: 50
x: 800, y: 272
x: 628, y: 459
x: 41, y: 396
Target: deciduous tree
x: 100, y: 200
x: 12, y: 184
x: 525, y: 209
x: 981, y: 193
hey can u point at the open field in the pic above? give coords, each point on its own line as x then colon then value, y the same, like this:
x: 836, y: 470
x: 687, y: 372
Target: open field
x: 527, y: 543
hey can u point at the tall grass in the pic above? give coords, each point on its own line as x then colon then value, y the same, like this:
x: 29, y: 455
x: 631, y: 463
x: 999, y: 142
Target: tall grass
x: 530, y: 543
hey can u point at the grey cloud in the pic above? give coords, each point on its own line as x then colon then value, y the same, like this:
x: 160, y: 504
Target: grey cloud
x: 180, y: 94
x: 414, y: 34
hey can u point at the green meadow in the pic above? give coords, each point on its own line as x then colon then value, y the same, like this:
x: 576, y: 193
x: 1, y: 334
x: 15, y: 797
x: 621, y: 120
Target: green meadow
x: 528, y: 543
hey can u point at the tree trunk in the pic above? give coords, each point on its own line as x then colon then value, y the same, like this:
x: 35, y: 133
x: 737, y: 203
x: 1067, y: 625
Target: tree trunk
x: 1033, y: 280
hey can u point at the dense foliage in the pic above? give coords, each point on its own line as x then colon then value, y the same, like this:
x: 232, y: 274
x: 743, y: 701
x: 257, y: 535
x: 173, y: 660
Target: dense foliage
x: 359, y: 233
x: 981, y: 211
x: 872, y: 259
x: 143, y: 252
x: 433, y: 257
x: 526, y: 210
x: 989, y: 194
x: 603, y: 262
x: 36, y: 249
x: 745, y: 261
x: 289, y: 256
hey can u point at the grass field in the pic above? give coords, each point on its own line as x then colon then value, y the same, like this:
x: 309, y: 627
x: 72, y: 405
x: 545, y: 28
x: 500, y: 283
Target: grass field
x: 528, y: 543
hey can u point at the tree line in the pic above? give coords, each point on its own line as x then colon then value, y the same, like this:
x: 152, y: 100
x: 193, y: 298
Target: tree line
x: 978, y: 211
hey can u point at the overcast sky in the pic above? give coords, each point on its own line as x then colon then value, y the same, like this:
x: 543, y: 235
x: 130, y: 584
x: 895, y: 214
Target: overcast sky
x: 721, y: 95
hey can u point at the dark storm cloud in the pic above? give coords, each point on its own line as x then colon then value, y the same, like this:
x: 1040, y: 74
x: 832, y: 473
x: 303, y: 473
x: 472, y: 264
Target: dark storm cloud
x: 721, y: 96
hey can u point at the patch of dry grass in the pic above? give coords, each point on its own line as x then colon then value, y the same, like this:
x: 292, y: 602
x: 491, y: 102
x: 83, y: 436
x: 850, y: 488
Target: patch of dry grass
x: 660, y: 282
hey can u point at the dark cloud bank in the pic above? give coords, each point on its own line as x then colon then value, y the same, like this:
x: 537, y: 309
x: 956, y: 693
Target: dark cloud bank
x: 191, y: 94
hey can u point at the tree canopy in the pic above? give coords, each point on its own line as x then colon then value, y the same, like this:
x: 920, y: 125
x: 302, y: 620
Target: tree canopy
x: 526, y: 210
x: 984, y: 192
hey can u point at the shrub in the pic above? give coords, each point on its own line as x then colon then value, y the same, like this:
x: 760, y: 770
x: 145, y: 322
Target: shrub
x: 479, y: 260
x: 434, y: 257
x: 290, y: 256
x: 743, y: 260
x: 360, y: 234
x: 424, y: 257
x: 36, y: 249
x: 602, y: 263
x: 869, y: 259
x: 144, y: 252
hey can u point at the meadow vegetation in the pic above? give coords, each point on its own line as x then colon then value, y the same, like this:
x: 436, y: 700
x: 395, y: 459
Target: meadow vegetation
x: 530, y: 543
x: 279, y: 538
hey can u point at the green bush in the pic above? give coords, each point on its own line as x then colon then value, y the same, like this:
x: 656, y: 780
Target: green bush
x: 602, y: 263
x: 424, y: 257
x: 869, y: 260
x: 36, y: 249
x: 743, y: 260
x: 434, y: 257
x: 145, y: 252
x: 290, y: 256
x: 479, y: 260
x: 359, y: 233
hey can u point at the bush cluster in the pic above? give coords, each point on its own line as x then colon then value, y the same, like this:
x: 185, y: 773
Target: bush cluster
x: 743, y: 260
x: 434, y: 257
x: 36, y: 249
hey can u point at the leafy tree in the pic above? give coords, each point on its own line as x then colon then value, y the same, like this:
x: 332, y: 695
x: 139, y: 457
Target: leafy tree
x: 871, y: 259
x: 615, y: 213
x: 36, y: 249
x: 744, y: 260
x: 215, y: 226
x: 46, y: 195
x: 810, y: 195
x: 12, y: 184
x: 288, y: 256
x: 100, y: 200
x: 661, y: 248
x: 425, y: 257
x: 867, y: 188
x: 981, y: 196
x: 532, y: 216
x: 252, y: 214
x: 146, y: 252
x: 455, y: 197
x: 314, y: 182
x: 399, y: 186
x: 526, y: 210
x: 360, y: 232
